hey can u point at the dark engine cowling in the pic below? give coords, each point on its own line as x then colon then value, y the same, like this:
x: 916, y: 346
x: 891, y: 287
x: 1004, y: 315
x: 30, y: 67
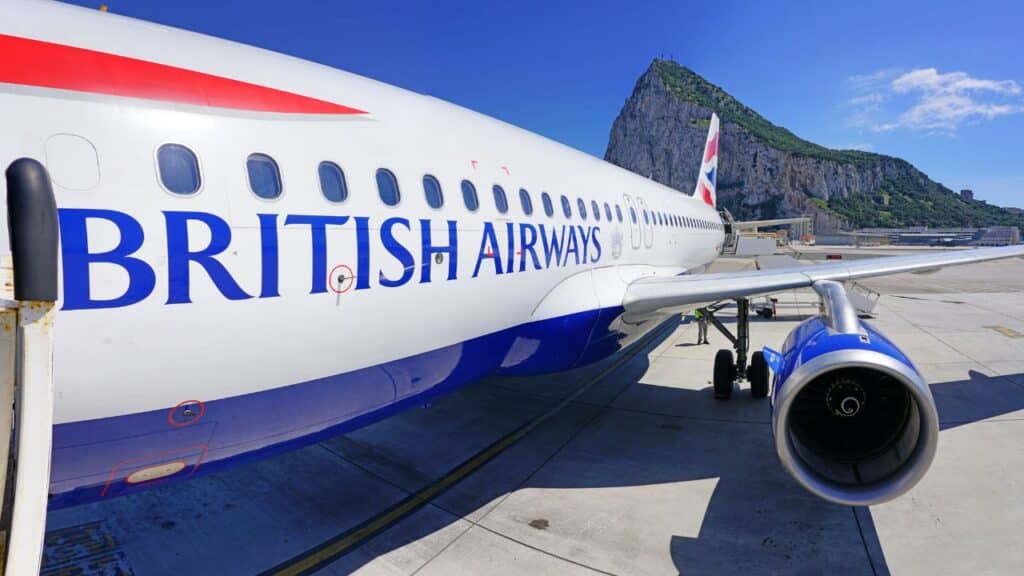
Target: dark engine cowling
x: 854, y: 421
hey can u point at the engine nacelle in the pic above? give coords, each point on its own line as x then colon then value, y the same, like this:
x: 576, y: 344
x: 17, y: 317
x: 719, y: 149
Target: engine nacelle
x: 854, y: 421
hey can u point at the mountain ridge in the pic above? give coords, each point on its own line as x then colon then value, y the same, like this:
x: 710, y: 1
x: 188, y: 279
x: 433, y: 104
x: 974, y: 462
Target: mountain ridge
x: 766, y: 171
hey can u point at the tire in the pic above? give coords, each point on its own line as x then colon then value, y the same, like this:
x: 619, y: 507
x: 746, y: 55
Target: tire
x: 725, y: 374
x: 757, y: 373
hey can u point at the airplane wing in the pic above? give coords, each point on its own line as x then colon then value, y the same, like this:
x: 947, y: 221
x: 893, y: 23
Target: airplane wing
x: 649, y: 294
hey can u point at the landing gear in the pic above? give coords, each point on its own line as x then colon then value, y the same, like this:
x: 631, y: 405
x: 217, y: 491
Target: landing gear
x: 757, y: 374
x: 727, y: 372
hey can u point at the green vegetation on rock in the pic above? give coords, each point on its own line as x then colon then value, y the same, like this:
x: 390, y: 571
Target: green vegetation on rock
x: 906, y: 196
x: 686, y: 84
x: 910, y: 204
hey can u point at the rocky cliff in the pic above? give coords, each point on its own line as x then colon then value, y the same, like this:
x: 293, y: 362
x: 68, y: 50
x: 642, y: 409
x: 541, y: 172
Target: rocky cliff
x: 766, y: 171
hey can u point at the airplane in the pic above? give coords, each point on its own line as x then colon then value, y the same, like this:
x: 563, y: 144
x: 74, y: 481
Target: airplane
x: 257, y: 253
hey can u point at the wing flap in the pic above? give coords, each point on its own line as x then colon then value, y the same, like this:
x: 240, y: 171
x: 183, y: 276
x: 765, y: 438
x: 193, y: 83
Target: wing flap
x: 649, y: 294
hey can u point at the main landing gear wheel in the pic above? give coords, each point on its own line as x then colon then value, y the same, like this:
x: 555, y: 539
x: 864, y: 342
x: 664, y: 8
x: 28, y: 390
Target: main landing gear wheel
x: 757, y: 374
x: 728, y: 370
x: 725, y: 374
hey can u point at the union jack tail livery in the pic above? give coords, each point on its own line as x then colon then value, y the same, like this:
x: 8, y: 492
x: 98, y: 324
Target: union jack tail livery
x: 709, y: 165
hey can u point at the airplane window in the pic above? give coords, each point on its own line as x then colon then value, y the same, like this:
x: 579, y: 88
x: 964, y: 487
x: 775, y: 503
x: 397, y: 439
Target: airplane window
x: 566, y: 207
x: 525, y: 201
x: 548, y: 208
x: 469, y: 196
x: 647, y: 219
x: 387, y: 187
x: 500, y: 201
x: 179, y: 169
x: 582, y: 207
x: 432, y: 191
x: 596, y: 210
x: 607, y: 212
x: 264, y: 176
x: 618, y: 213
x: 632, y: 214
x: 332, y: 182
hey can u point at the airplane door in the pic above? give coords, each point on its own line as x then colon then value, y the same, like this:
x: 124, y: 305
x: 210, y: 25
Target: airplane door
x: 633, y: 217
x: 646, y: 225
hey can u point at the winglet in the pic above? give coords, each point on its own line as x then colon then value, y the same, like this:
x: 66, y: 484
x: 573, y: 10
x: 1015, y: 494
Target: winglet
x: 709, y: 165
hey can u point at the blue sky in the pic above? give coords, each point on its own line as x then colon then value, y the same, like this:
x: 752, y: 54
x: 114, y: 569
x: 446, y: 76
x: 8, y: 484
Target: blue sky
x: 938, y: 83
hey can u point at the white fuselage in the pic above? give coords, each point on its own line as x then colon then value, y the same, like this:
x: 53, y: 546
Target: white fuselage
x: 127, y: 366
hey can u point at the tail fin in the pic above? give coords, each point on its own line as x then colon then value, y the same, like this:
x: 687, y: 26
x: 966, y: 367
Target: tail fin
x: 709, y: 165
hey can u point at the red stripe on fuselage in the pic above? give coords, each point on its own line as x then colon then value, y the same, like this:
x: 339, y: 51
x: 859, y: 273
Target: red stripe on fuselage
x: 45, y: 64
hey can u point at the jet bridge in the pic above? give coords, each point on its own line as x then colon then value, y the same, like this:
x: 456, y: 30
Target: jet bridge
x: 27, y: 313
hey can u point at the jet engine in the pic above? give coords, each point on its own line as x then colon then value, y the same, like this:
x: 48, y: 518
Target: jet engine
x: 854, y: 421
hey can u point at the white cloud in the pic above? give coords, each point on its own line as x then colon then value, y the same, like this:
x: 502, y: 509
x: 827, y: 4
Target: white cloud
x: 929, y: 80
x: 872, y: 100
x: 947, y: 100
x: 937, y: 102
x: 866, y: 82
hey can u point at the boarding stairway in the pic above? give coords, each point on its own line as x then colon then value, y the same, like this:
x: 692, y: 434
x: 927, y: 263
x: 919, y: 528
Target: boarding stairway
x: 28, y: 290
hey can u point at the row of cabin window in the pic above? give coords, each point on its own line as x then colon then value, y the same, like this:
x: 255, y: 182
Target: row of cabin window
x: 179, y: 173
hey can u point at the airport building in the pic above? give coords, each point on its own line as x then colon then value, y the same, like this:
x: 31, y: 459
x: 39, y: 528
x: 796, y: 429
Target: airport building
x: 921, y: 236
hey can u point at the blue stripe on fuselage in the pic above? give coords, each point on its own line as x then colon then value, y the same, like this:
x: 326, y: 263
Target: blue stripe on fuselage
x: 92, y: 458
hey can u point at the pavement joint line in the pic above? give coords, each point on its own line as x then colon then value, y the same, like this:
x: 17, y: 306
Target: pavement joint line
x: 622, y: 362
x: 656, y: 413
x: 327, y: 552
x: 964, y: 354
x: 863, y: 539
x: 542, y: 551
x: 602, y: 409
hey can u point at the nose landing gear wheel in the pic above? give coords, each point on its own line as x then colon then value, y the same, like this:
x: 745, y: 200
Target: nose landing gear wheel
x: 758, y: 375
x: 725, y: 374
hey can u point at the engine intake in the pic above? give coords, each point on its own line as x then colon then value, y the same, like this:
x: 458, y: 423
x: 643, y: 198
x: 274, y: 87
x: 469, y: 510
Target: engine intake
x: 854, y: 421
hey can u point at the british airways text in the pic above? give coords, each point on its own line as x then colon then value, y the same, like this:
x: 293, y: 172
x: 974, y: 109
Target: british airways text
x: 500, y: 248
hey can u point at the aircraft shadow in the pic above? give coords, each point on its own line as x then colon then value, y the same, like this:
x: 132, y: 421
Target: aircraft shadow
x: 757, y: 520
x: 742, y: 512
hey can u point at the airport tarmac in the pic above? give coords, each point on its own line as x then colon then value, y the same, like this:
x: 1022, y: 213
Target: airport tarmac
x: 638, y: 471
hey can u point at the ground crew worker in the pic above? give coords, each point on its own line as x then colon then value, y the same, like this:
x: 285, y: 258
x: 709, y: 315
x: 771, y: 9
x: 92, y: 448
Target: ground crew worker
x: 702, y: 325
